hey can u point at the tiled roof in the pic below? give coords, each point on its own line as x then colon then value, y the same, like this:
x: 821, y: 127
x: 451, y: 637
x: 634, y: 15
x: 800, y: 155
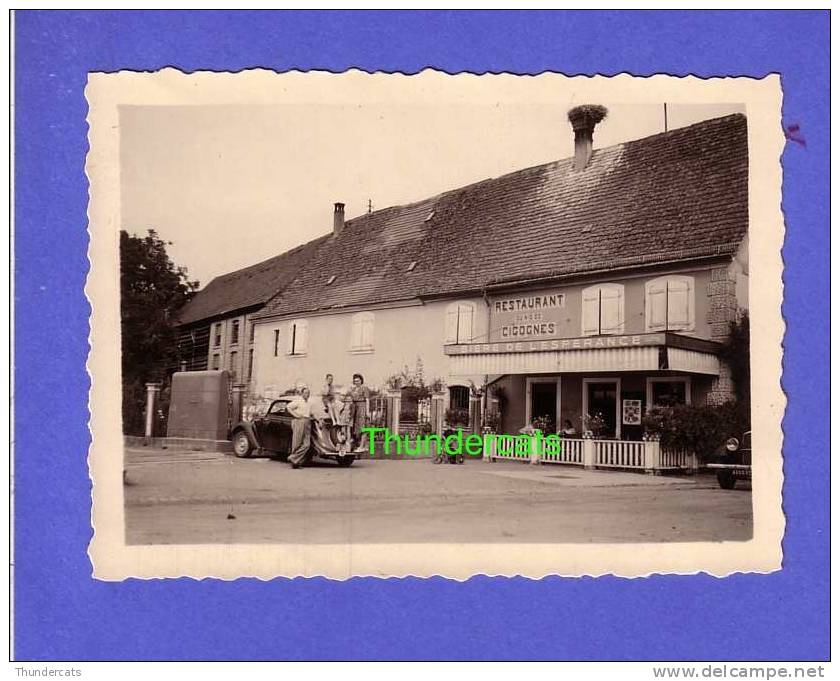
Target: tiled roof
x: 675, y: 195
x: 248, y: 287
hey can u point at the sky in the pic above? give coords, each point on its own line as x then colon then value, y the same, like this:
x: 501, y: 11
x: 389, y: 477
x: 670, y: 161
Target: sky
x: 232, y: 185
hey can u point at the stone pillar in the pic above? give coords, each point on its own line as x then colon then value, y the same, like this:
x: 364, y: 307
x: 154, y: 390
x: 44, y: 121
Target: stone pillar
x: 237, y: 401
x: 653, y: 456
x: 535, y: 451
x: 437, y: 412
x: 489, y: 439
x: 589, y: 453
x: 394, y: 403
x: 475, y: 414
x: 723, y: 310
x: 152, y: 392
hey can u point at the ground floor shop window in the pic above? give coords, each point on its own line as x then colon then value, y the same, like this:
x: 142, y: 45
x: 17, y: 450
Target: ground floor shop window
x: 542, y: 402
x: 668, y: 391
x: 601, y: 404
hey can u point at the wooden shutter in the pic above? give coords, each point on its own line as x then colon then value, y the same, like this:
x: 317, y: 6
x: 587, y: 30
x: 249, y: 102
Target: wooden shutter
x: 590, y: 311
x: 655, y: 304
x: 302, y: 338
x: 679, y: 303
x: 612, y: 309
x: 465, y: 323
x: 367, y: 331
x: 451, y: 331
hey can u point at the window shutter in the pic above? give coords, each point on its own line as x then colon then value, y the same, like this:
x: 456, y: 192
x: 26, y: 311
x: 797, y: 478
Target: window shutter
x: 367, y: 332
x: 656, y: 305
x: 302, y: 340
x: 679, y: 296
x: 590, y: 311
x: 465, y: 322
x: 356, y: 333
x: 452, y: 324
x: 612, y: 309
x: 292, y: 339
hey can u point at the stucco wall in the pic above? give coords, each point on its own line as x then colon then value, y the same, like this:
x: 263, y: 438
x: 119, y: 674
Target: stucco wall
x: 568, y: 318
x: 401, y: 335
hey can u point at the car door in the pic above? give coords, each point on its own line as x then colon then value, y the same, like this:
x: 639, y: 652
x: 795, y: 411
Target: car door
x: 273, y: 428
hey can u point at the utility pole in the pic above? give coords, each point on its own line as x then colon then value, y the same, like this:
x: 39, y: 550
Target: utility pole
x: 370, y: 206
x: 665, y: 109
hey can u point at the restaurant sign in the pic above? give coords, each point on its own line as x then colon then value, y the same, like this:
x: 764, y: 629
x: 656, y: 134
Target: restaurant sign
x: 523, y: 317
x: 586, y: 343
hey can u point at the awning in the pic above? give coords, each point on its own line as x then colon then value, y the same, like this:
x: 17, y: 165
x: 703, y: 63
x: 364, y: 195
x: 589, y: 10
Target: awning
x: 644, y: 352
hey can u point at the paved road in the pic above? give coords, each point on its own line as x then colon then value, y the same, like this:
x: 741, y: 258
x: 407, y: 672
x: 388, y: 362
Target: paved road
x: 180, y: 497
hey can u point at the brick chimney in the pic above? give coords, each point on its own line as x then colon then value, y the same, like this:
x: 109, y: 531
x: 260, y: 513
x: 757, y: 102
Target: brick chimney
x: 338, y: 218
x: 584, y: 118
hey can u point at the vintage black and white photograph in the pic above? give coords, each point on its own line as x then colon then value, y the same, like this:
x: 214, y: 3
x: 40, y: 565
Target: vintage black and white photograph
x: 381, y: 324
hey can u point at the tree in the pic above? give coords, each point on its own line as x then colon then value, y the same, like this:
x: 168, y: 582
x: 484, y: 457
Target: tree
x: 736, y: 353
x: 152, y: 290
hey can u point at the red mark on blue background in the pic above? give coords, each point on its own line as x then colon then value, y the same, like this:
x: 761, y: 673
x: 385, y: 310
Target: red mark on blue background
x: 792, y: 133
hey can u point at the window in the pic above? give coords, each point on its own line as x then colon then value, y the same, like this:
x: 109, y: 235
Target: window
x: 251, y: 332
x: 250, y: 364
x: 459, y: 322
x: 234, y: 332
x: 276, y: 341
x: 602, y: 310
x: 233, y: 368
x: 669, y: 304
x: 298, y: 338
x: 217, y: 335
x: 361, y: 334
x: 668, y: 391
x: 459, y: 397
x: 215, y: 364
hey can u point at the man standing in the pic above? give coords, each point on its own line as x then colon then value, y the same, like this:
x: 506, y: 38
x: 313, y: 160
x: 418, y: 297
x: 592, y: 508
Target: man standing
x: 300, y: 409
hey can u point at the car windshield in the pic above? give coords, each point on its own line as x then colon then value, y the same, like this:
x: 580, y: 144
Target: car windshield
x: 278, y: 408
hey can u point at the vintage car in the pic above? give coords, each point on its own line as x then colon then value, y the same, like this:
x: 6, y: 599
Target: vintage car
x: 733, y: 462
x: 271, y: 435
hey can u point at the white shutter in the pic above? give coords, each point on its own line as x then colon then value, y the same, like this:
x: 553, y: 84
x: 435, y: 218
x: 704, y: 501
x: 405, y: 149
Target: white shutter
x: 465, y: 323
x: 679, y: 300
x: 367, y: 332
x: 612, y: 309
x: 589, y: 311
x: 302, y: 340
x: 655, y: 305
x: 451, y: 331
x: 356, y: 333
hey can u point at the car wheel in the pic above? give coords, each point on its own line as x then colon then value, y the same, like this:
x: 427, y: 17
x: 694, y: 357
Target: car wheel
x: 345, y: 461
x: 242, y: 444
x: 726, y: 480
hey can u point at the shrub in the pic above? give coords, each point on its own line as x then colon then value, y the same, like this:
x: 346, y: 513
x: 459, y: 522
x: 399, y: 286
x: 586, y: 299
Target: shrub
x: 458, y: 417
x: 701, y: 429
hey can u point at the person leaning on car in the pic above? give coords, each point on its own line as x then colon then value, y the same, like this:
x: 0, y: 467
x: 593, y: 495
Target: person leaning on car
x: 302, y: 411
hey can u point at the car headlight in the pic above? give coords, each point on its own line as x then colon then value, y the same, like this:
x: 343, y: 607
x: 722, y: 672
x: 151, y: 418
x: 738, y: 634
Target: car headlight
x: 732, y: 444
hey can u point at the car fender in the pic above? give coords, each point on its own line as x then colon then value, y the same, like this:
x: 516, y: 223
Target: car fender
x: 250, y: 431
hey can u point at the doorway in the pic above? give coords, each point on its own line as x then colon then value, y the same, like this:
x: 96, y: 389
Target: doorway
x: 543, y: 400
x: 600, y: 396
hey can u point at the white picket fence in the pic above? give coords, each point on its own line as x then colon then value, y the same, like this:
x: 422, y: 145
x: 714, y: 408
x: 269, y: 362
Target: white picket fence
x: 619, y: 454
x: 570, y: 452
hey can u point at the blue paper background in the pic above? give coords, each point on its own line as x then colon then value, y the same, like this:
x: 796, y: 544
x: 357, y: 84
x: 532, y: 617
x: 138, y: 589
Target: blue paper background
x: 61, y: 613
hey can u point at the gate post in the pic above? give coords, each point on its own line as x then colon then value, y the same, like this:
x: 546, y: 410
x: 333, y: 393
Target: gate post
x: 237, y: 398
x: 475, y: 413
x: 653, y: 456
x: 588, y: 453
x: 437, y: 412
x: 152, y: 390
x: 394, y: 403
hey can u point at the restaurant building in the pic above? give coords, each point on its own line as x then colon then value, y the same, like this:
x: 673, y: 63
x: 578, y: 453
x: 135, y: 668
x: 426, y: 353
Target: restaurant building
x: 603, y: 283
